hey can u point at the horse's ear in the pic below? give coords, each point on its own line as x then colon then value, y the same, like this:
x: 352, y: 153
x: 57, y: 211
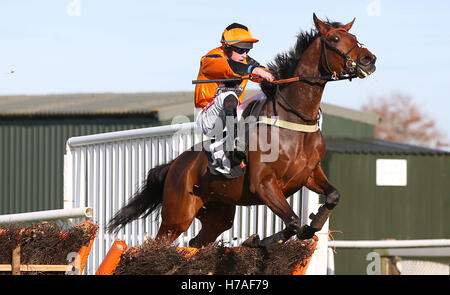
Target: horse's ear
x: 320, y: 25
x: 348, y: 26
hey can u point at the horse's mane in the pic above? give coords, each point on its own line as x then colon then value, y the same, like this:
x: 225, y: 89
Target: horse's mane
x: 285, y: 63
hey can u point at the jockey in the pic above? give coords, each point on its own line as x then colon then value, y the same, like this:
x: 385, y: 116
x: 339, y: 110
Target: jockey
x: 216, y: 103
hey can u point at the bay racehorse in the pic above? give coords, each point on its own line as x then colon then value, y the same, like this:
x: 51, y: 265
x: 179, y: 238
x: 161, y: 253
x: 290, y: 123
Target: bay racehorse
x: 184, y: 189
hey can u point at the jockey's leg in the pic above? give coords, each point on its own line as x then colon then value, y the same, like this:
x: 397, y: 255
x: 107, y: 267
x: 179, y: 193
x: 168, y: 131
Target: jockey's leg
x: 235, y: 145
x: 220, y: 113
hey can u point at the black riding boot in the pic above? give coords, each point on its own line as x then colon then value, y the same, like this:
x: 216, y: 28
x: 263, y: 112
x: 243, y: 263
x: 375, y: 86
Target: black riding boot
x: 230, y: 112
x: 230, y: 122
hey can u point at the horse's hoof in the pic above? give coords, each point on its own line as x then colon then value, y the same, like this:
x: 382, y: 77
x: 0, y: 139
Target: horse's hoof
x: 305, y: 233
x: 252, y: 242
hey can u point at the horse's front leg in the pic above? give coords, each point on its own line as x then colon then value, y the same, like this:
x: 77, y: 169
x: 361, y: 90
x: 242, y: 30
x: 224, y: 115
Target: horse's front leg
x: 271, y: 194
x: 318, y: 182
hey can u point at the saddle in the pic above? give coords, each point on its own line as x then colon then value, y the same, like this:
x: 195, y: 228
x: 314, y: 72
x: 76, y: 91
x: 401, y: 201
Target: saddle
x: 247, y: 114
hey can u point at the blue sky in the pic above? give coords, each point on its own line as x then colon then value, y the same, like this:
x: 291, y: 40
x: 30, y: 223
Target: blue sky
x: 71, y: 46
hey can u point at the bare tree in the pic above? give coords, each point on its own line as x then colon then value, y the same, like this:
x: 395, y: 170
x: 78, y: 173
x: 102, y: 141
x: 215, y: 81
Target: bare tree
x: 402, y: 120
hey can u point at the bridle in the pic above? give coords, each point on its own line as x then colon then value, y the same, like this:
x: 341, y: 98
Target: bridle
x: 350, y: 68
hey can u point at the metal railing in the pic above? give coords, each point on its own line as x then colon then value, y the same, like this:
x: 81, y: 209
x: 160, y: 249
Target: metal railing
x: 69, y: 213
x: 424, y: 256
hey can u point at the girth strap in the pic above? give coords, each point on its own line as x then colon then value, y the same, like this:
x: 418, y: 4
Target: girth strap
x: 289, y: 125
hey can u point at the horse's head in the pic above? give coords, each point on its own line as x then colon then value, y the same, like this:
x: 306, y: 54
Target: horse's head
x: 341, y: 51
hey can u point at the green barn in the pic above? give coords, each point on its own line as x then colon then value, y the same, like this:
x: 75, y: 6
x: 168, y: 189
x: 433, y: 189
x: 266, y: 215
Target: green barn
x: 34, y: 131
x: 405, y: 199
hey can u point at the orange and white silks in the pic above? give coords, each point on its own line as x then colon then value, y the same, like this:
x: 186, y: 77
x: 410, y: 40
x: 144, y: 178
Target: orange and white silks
x: 214, y: 65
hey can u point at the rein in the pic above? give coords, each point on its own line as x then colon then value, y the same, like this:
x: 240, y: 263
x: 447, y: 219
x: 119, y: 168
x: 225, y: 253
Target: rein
x: 291, y: 108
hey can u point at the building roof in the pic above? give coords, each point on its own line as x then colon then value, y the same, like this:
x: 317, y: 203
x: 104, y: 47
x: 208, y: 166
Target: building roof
x: 164, y: 105
x: 360, y: 116
x: 353, y: 145
x: 96, y: 104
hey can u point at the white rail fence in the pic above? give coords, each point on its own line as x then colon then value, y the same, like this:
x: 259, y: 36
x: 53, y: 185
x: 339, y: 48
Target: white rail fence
x: 410, y: 257
x: 58, y: 214
x: 382, y: 244
x: 103, y: 171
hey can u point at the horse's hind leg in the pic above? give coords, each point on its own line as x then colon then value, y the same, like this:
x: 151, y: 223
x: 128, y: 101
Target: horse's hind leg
x: 180, y: 204
x: 215, y: 218
x: 178, y: 212
x: 319, y: 183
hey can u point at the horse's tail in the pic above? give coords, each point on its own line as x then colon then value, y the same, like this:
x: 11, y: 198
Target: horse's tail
x: 146, y: 200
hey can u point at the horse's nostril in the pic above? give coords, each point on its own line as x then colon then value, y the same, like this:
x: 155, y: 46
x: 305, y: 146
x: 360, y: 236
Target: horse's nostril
x: 368, y: 59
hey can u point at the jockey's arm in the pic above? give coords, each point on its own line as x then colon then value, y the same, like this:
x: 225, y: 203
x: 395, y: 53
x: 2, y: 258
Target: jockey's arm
x: 217, y: 67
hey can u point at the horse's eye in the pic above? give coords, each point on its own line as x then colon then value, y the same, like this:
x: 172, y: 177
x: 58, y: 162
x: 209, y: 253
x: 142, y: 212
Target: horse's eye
x: 335, y: 39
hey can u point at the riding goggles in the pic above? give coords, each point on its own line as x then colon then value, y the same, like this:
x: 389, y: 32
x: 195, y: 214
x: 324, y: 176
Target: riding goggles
x: 240, y: 50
